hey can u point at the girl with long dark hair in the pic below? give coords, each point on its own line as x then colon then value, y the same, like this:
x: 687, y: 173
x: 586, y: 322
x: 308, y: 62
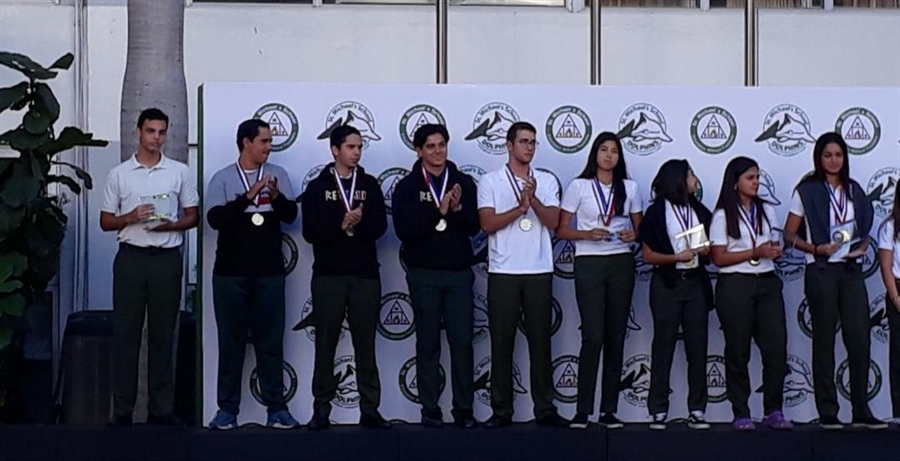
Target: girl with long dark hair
x: 748, y: 293
x: 607, y: 207
x: 680, y: 289
x: 830, y: 219
x: 889, y: 255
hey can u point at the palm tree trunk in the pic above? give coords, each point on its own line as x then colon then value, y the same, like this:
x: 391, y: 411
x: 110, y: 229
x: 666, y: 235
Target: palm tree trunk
x: 154, y: 77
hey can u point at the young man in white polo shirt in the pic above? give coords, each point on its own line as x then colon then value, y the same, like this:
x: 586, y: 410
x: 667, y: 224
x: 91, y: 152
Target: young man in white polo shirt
x: 150, y: 200
x: 517, y: 207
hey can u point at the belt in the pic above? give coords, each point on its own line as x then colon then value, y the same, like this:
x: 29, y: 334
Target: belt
x: 147, y: 249
x: 760, y: 275
x: 685, y: 274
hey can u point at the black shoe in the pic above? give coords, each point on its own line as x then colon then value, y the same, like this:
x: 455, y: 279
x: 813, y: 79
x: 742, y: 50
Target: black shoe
x: 869, y: 423
x: 374, y: 421
x: 432, y: 419
x: 464, y: 419
x: 830, y: 423
x: 318, y: 422
x: 167, y: 420
x: 497, y: 421
x: 580, y: 421
x: 610, y: 421
x: 552, y: 419
x: 119, y: 421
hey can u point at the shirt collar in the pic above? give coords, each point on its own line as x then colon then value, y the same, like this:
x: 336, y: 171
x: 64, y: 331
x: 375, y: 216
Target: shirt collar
x: 162, y: 164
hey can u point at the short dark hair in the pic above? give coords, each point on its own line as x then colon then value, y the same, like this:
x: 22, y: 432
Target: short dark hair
x: 339, y: 135
x: 515, y: 128
x: 249, y: 129
x: 426, y: 130
x: 152, y: 114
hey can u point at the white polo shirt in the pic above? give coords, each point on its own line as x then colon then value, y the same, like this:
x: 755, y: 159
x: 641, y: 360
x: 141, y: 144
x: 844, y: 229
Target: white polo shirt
x: 797, y: 210
x: 718, y: 236
x: 888, y: 240
x: 582, y: 200
x: 130, y: 181
x: 512, y: 250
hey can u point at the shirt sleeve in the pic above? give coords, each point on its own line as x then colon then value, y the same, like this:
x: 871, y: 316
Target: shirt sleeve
x: 886, y: 235
x: 188, y: 196
x: 111, y: 198
x: 486, y: 193
x: 637, y: 202
x: 572, y: 197
x: 796, y: 205
x: 285, y: 186
x: 718, y: 229
x: 548, y: 189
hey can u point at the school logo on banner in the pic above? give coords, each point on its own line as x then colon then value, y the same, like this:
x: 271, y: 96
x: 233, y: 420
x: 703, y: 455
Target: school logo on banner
x: 563, y: 258
x: 786, y: 130
x: 713, y: 130
x: 642, y: 271
x: 860, y: 129
x: 556, y: 318
x: 483, y: 381
x: 307, y: 323
x: 347, y: 393
x: 480, y: 249
x: 388, y: 180
x: 568, y: 129
x: 565, y: 378
x: 474, y: 171
x: 289, y: 253
x: 715, y: 378
x: 798, y: 383
x: 632, y: 325
x: 880, y: 190
x: 555, y: 178
x: 642, y: 129
x: 490, y: 126
x: 873, y: 385
x: 480, y: 322
x: 869, y: 261
x: 288, y: 387
x: 397, y: 320
x: 310, y: 175
x: 878, y: 319
x: 792, y: 265
x: 767, y: 189
x: 804, y: 319
x: 354, y: 114
x: 282, y: 122
x: 409, y: 386
x: 416, y: 116
x: 635, y: 383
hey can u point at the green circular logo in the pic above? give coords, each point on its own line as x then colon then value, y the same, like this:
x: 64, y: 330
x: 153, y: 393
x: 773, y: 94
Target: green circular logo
x: 565, y: 378
x: 416, y: 116
x: 289, y: 387
x: 282, y: 122
x: 715, y: 378
x: 397, y: 320
x: 842, y: 380
x: 713, y: 130
x: 409, y: 380
x: 388, y: 180
x: 568, y: 129
x: 860, y: 129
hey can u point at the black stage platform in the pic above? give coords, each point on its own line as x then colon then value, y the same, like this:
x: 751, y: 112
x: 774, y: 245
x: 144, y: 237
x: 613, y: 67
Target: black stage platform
x: 521, y: 442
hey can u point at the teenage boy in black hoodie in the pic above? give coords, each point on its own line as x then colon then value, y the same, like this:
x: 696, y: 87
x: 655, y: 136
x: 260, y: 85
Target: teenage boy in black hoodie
x: 343, y: 217
x: 435, y: 213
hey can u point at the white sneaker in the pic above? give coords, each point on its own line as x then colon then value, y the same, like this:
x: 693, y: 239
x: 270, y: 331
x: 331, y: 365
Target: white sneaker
x: 659, y: 422
x: 696, y: 421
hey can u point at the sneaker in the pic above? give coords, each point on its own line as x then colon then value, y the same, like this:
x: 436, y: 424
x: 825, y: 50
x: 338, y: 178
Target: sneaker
x: 743, y: 425
x: 776, y: 420
x: 830, y: 423
x: 659, y: 422
x: 318, y: 422
x: 223, y: 421
x: 869, y: 423
x: 463, y: 418
x: 281, y: 420
x: 434, y: 420
x: 695, y: 421
x: 609, y: 421
x: 374, y: 421
x: 580, y: 421
x: 552, y: 419
x: 496, y: 421
x: 894, y: 421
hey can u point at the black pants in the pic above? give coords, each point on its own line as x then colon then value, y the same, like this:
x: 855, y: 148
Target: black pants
x: 443, y: 296
x: 253, y: 305
x: 685, y: 305
x: 145, y: 281
x: 752, y: 306
x: 360, y: 299
x: 894, y: 352
x: 603, y: 289
x: 835, y: 292
x: 508, y: 297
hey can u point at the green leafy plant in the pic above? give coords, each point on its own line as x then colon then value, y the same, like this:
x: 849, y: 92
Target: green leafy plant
x: 32, y: 221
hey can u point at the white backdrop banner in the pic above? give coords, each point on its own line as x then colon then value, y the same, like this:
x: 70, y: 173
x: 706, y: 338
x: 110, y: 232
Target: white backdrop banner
x: 707, y: 126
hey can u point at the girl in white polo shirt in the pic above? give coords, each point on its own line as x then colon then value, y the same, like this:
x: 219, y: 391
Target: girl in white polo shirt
x: 889, y: 254
x: 748, y: 293
x: 607, y: 207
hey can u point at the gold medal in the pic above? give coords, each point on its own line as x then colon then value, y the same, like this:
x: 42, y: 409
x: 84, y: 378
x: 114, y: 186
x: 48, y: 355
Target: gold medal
x: 525, y: 224
x: 257, y: 219
x: 441, y: 225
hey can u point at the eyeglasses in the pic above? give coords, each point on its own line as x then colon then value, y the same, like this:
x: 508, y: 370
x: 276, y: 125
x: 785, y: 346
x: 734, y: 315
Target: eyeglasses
x: 528, y: 143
